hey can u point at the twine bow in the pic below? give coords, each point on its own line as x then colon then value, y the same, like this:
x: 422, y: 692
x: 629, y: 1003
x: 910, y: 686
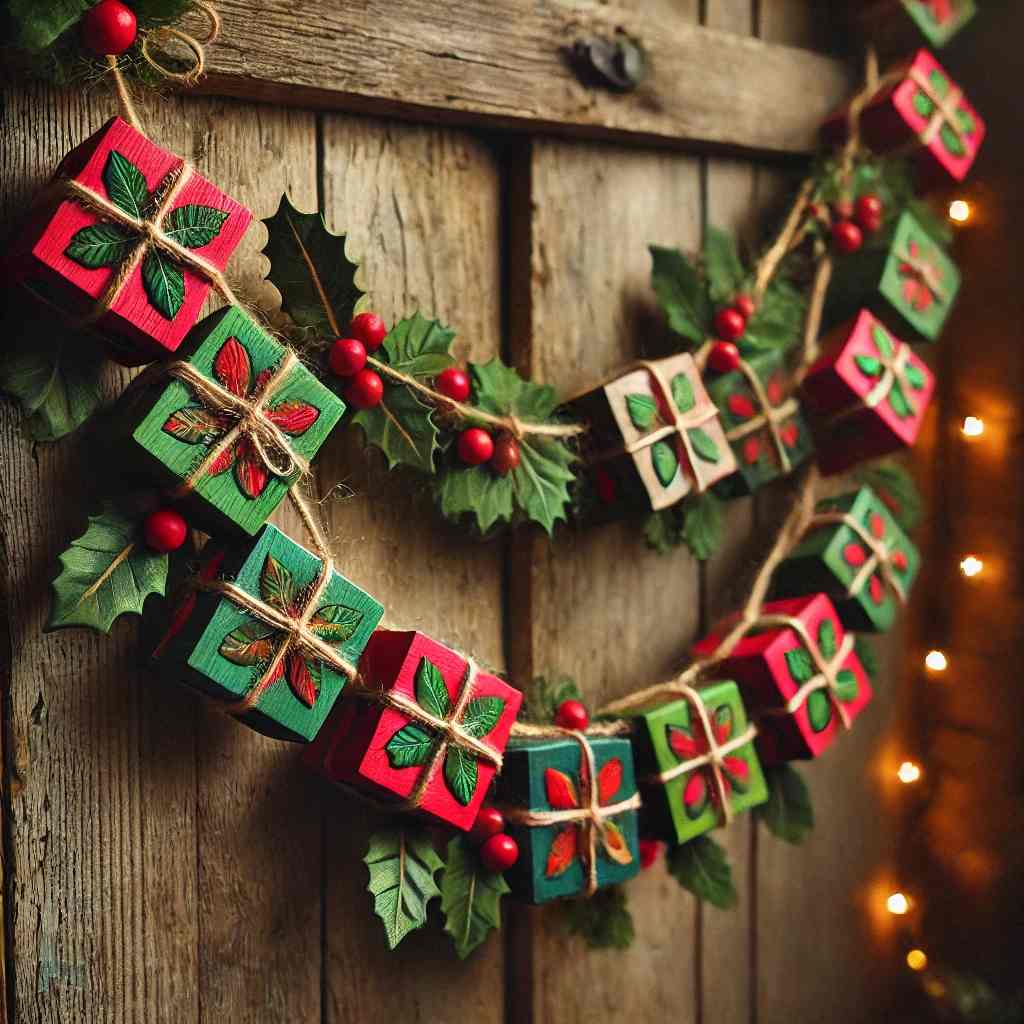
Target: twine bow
x: 713, y: 758
x: 926, y: 272
x: 770, y: 416
x: 947, y: 107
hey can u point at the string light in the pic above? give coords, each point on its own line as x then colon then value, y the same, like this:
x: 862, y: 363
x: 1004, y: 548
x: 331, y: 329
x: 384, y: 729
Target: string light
x: 973, y: 426
x: 936, y: 661
x: 971, y: 566
x: 960, y: 211
x: 908, y: 772
x: 897, y: 904
x: 917, y: 960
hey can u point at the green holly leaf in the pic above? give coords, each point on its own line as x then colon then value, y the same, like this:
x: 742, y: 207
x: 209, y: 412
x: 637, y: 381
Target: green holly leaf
x: 410, y: 747
x: 722, y: 265
x: 418, y: 347
x: 194, y: 226
x: 643, y: 411
x: 402, y: 864
x: 898, y: 401
x: 800, y: 665
x: 703, y: 444
x: 36, y: 26
x: 164, y: 282
x: 819, y: 710
x: 896, y: 489
x: 461, y: 773
x: 665, y: 462
x: 778, y: 322
x: 788, y: 813
x: 470, y: 897
x: 827, y: 639
x: 125, y: 185
x: 308, y: 266
x: 682, y: 393
x: 546, y: 695
x: 107, y: 572
x: 101, y: 245
x: 701, y: 867
x: 431, y: 692
x: 868, y: 365
x: 482, y: 715
x: 846, y: 686
x: 474, y: 492
x: 603, y: 921
x: 702, y: 524
x: 866, y: 654
x: 663, y: 530
x: 682, y: 294
x: 402, y: 427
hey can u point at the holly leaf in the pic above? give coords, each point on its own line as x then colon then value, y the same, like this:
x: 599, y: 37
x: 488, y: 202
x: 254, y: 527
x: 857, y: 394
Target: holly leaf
x: 402, y: 427
x: 107, y: 572
x: 194, y: 226
x: 418, y: 347
x: 662, y: 530
x: 702, y: 867
x: 788, y: 813
x: 545, y: 695
x: 682, y: 294
x: 722, y: 265
x: 643, y: 410
x: 308, y: 266
x: 470, y: 897
x: 702, y: 525
x: 410, y: 747
x: 100, y: 245
x: 36, y: 26
x: 482, y: 715
x: 779, y: 319
x: 164, y: 282
x: 431, y: 692
x: 603, y: 921
x: 461, y: 773
x: 125, y: 185
x: 896, y: 489
x: 402, y: 864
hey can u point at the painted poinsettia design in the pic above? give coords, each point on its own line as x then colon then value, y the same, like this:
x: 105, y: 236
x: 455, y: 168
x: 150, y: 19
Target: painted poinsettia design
x: 802, y: 668
x: 744, y: 408
x: 564, y: 793
x: 195, y: 424
x: 256, y: 643
x: 689, y: 742
x: 895, y: 394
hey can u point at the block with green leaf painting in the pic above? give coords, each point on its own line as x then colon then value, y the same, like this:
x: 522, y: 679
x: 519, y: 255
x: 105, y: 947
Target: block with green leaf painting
x: 228, y: 652
x: 684, y: 795
x: 230, y: 474
x: 654, y: 437
x: 856, y: 553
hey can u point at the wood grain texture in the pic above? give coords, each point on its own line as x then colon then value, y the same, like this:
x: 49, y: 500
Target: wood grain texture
x: 505, y: 62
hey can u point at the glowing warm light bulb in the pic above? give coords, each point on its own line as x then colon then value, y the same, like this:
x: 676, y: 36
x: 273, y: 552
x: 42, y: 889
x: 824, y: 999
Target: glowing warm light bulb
x: 973, y: 426
x: 971, y: 566
x: 960, y: 211
x: 897, y: 904
x: 908, y: 772
x: 936, y: 661
x: 917, y: 960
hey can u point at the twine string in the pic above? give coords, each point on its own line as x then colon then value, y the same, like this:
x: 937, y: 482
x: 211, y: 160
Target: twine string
x: 924, y: 271
x: 168, y: 33
x: 946, y: 109
x: 770, y: 416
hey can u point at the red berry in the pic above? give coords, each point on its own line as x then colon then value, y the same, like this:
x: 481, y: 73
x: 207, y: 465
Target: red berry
x: 475, y: 446
x: 347, y: 358
x: 869, y: 211
x: 649, y: 851
x: 745, y: 306
x: 571, y: 714
x: 109, y: 27
x: 370, y: 329
x: 489, y: 822
x: 506, y: 455
x: 847, y: 236
x: 872, y: 225
x: 165, y: 530
x: 453, y: 383
x: 499, y: 853
x: 365, y: 390
x: 729, y: 324
x: 724, y: 357
x: 844, y: 209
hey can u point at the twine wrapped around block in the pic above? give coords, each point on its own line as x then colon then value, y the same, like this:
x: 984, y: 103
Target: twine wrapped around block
x: 770, y: 416
x: 923, y: 271
x: 946, y: 109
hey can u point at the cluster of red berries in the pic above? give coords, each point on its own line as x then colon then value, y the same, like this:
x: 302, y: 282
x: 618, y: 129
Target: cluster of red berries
x: 851, y: 221
x: 730, y: 326
x: 109, y: 27
x: 498, y: 850
x: 366, y: 334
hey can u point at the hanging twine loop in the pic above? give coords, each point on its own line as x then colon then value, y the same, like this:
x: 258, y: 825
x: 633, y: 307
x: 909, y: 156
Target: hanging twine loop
x: 169, y: 34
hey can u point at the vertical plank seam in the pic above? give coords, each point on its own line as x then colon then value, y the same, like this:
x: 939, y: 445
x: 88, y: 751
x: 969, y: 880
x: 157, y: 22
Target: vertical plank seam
x: 9, y: 990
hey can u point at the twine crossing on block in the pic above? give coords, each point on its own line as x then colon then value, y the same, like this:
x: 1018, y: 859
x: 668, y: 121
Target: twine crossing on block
x: 928, y: 274
x: 947, y: 107
x: 770, y: 416
x: 894, y: 372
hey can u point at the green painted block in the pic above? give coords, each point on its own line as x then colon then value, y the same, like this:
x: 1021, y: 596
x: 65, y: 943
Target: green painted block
x: 669, y: 735
x: 879, y: 278
x: 938, y: 23
x: 830, y: 557
x: 170, y: 433
x: 222, y: 650
x: 544, y: 776
x: 757, y: 455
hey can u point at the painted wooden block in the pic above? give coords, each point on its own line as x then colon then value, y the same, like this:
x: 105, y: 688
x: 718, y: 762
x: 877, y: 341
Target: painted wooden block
x: 907, y: 281
x: 654, y: 437
x: 919, y: 110
x: 434, y: 738
x: 551, y: 778
x: 676, y: 750
x: 79, y: 256
x: 229, y: 653
x: 229, y: 472
x: 867, y: 394
x: 855, y: 552
x: 799, y: 676
x: 763, y: 423
x: 896, y: 27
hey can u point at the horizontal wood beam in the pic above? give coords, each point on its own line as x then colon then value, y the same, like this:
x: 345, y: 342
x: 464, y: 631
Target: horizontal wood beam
x: 503, y: 63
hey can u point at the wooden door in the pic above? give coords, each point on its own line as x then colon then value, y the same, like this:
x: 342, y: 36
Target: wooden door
x: 163, y: 864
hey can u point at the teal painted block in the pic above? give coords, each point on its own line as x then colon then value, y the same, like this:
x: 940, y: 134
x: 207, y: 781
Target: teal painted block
x: 939, y: 23
x: 222, y: 650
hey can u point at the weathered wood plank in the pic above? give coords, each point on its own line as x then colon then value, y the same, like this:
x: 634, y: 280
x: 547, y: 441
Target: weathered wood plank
x: 423, y: 210
x: 503, y: 63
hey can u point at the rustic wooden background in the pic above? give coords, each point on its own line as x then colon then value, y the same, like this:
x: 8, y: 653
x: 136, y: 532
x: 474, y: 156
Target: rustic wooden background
x: 163, y: 864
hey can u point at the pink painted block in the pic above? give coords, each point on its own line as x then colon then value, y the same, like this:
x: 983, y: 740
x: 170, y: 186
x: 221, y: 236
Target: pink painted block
x: 358, y: 747
x: 137, y: 329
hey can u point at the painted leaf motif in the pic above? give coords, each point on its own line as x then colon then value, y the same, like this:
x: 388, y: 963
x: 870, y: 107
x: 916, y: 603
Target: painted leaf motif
x: 410, y: 747
x: 788, y: 813
x: 277, y: 585
x: 695, y: 795
x: 701, y: 867
x: 883, y: 342
x: 915, y: 376
x: 682, y: 744
x: 869, y: 365
x: 846, y: 688
x: 665, y: 462
x: 461, y: 772
x: 827, y: 639
x: 819, y: 710
x: 194, y: 226
x: 402, y: 864
x: 251, y: 473
x: 100, y: 245
x: 800, y: 665
x: 741, y: 406
x: 335, y: 623
x: 164, y: 283
x: 643, y: 411
x: 431, y: 693
x: 876, y: 589
x: 470, y: 897
x: 737, y: 773
x: 682, y: 393
x: 898, y: 401
x: 233, y: 368
x: 248, y: 645
x: 560, y: 790
x: 125, y: 185
x: 722, y: 723
x: 304, y: 682
x: 614, y: 844
x: 195, y: 425
x: 703, y: 445
x: 854, y: 554
x: 923, y: 104
x: 951, y: 140
x: 482, y: 715
x: 293, y: 417
x: 562, y: 852
x: 609, y: 780
x: 752, y: 450
x: 222, y: 463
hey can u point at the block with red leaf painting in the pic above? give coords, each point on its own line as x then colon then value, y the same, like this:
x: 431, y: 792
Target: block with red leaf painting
x: 403, y: 753
x: 199, y: 449
x: 799, y: 710
x: 867, y: 395
x: 223, y: 650
x: 857, y: 554
x: 762, y: 420
x: 552, y: 776
x: 683, y: 795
